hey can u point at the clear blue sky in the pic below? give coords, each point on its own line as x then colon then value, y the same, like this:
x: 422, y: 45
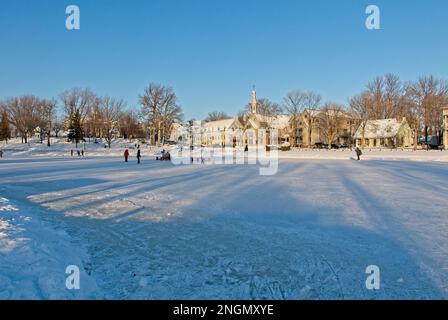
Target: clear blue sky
x: 212, y: 51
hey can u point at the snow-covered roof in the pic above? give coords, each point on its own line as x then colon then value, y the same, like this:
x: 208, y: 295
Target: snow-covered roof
x: 387, y: 128
x: 280, y: 121
x: 274, y: 122
x: 219, y: 124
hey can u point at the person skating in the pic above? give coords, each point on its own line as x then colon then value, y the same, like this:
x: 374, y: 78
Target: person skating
x: 358, y: 153
x: 126, y: 155
x: 1, y: 153
x: 139, y: 155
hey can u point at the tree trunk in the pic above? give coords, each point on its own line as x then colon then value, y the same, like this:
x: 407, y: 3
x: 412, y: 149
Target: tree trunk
x: 310, y: 131
x: 363, y: 141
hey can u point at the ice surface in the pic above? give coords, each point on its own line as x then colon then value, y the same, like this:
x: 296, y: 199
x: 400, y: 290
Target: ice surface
x: 214, y: 231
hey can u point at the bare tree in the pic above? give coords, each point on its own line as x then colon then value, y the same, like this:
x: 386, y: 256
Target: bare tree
x: 110, y: 112
x: 78, y: 100
x: 93, y: 123
x: 58, y: 125
x: 159, y: 110
x: 393, y: 96
x: 361, y: 108
x: 216, y: 115
x: 385, y: 95
x: 311, y: 104
x: 295, y: 103
x: 14, y: 111
x: 330, y: 121
x: 129, y: 125
x: 23, y: 114
x: 5, y: 130
x: 47, y: 109
x: 428, y: 96
x: 265, y: 108
x: 32, y: 116
x: 412, y: 112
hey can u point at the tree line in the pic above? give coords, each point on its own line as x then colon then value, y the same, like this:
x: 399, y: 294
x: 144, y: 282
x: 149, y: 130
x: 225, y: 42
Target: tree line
x: 387, y: 96
x: 83, y: 114
x: 420, y: 102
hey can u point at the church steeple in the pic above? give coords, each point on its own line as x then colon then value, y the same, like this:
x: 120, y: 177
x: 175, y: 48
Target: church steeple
x: 254, y: 101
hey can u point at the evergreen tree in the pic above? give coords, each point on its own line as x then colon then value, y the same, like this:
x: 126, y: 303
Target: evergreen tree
x: 75, y: 131
x: 5, y: 131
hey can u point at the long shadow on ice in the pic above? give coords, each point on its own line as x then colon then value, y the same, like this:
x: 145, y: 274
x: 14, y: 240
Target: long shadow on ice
x: 50, y: 167
x: 251, y: 240
x: 427, y: 177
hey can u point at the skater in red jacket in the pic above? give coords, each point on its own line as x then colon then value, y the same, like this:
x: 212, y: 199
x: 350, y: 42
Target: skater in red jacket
x: 126, y: 155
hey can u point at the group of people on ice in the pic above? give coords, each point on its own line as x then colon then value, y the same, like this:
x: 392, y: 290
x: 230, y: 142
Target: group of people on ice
x: 80, y: 153
x: 127, y: 154
x: 164, y: 155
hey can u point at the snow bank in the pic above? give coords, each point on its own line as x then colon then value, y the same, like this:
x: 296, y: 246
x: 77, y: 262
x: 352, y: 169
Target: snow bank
x: 34, y: 257
x: 61, y: 148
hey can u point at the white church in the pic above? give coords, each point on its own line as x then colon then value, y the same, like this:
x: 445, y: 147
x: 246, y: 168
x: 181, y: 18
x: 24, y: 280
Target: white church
x: 235, y: 131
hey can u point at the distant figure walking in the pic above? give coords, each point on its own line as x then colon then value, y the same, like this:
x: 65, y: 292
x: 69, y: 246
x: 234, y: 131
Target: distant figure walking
x: 82, y: 153
x: 79, y: 153
x: 1, y: 153
x: 71, y: 152
x: 139, y: 155
x: 358, y: 153
x: 126, y: 155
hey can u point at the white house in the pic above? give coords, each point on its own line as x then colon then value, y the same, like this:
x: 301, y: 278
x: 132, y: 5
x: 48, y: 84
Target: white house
x: 389, y: 133
x: 221, y: 132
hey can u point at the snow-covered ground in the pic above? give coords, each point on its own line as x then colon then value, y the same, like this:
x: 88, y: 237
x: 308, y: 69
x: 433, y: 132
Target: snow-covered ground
x: 214, y: 231
x: 368, y: 154
x: 61, y: 148
x: 34, y: 256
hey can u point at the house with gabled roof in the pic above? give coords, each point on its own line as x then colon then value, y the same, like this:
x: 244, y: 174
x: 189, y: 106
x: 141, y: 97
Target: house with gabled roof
x: 308, y: 130
x: 221, y: 132
x: 385, y: 133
